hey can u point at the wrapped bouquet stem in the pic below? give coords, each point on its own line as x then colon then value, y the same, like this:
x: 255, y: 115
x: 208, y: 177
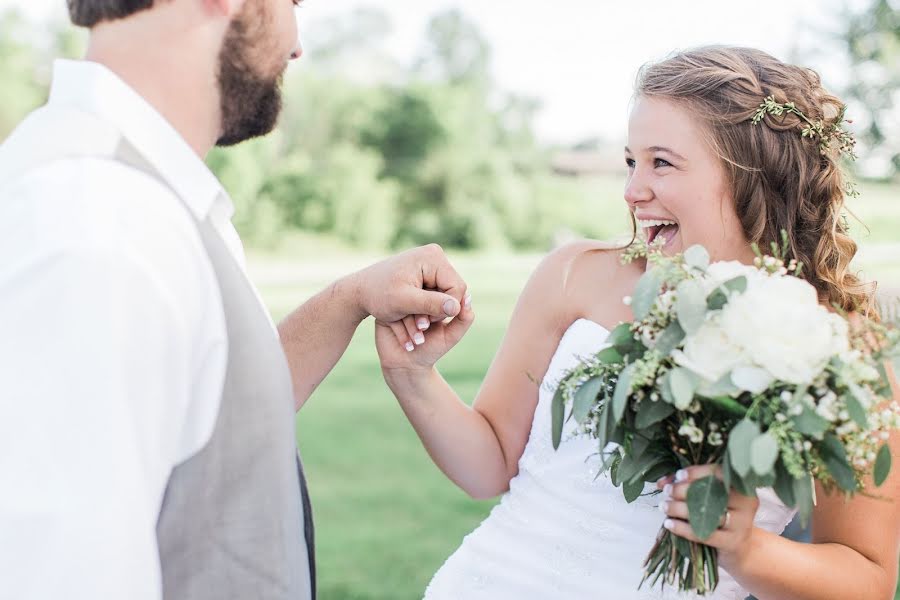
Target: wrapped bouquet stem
x: 738, y: 366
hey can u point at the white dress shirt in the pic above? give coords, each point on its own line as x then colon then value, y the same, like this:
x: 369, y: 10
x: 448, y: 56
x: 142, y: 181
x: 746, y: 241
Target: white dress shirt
x: 112, y: 343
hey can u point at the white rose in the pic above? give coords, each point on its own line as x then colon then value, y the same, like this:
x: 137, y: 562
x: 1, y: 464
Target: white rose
x: 709, y: 353
x: 780, y: 325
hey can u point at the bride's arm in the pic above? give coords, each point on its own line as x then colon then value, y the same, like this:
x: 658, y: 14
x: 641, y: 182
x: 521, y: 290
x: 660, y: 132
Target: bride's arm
x: 479, y: 447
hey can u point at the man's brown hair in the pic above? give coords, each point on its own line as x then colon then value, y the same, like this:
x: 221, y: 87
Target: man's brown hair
x: 88, y: 13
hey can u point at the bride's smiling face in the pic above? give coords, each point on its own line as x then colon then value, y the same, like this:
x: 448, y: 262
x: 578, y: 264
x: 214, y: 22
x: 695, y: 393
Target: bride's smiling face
x: 676, y: 187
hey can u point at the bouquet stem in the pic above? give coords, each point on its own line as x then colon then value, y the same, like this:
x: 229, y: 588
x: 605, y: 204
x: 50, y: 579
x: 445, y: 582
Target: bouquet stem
x: 690, y: 566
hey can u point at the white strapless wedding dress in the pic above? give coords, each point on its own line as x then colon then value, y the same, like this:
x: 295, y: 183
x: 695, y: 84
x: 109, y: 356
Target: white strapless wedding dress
x: 559, y: 533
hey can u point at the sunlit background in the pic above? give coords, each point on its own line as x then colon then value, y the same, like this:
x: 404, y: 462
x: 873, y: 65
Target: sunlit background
x: 496, y: 129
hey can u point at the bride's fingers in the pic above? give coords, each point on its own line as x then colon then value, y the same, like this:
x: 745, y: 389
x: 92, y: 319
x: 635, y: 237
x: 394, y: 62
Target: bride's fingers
x: 423, y: 322
x: 675, y: 509
x: 683, y: 529
x: 412, y: 330
x: 402, y: 336
x: 457, y: 327
x: 697, y: 472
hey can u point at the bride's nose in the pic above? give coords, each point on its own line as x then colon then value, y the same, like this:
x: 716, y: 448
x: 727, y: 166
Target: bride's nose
x: 637, y: 190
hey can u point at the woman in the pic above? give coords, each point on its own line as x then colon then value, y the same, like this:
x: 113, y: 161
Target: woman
x: 700, y: 171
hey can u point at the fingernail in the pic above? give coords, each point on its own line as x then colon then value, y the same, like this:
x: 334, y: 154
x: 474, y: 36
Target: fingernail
x: 664, y: 507
x: 419, y: 339
x: 468, y: 300
x: 667, y: 489
x: 423, y: 324
x: 409, y: 347
x: 669, y: 524
x: 450, y: 308
x: 681, y: 475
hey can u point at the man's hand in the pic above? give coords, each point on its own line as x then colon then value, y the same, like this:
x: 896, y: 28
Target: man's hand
x: 409, y: 292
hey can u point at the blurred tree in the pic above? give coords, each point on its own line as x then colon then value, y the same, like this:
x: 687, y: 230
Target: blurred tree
x: 404, y: 129
x: 23, y: 87
x: 871, y: 38
x: 455, y: 51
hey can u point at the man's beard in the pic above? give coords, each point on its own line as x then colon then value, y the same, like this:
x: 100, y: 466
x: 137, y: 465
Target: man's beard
x: 249, y: 101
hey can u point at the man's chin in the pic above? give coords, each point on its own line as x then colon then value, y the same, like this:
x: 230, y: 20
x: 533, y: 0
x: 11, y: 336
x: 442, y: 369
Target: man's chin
x: 262, y: 123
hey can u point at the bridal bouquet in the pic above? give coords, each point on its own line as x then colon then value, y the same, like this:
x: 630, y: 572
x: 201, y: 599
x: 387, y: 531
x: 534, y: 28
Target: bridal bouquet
x: 739, y: 366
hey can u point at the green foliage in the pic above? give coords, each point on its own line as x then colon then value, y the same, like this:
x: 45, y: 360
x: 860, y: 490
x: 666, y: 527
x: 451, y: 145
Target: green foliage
x: 707, y: 501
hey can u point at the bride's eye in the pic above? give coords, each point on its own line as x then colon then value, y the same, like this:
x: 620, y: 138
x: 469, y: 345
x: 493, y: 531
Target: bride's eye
x: 661, y: 162
x: 629, y: 162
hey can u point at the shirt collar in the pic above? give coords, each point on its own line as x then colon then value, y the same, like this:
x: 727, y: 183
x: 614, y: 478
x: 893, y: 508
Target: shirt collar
x: 93, y: 88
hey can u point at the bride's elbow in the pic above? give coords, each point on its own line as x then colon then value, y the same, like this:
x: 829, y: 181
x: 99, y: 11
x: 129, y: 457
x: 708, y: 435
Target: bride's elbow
x: 487, y: 492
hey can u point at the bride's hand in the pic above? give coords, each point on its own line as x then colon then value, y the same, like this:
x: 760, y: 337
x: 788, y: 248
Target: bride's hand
x: 733, y: 536
x: 416, y: 344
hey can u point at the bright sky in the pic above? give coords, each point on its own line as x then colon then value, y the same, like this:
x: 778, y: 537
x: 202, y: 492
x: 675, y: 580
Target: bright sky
x: 579, y: 57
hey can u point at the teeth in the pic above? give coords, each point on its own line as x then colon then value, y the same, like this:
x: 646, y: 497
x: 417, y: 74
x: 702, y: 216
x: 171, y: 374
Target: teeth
x: 644, y: 223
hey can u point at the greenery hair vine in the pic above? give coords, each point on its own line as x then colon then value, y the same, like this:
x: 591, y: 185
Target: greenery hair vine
x: 825, y: 134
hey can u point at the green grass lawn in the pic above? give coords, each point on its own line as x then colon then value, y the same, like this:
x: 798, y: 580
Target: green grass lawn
x: 386, y: 517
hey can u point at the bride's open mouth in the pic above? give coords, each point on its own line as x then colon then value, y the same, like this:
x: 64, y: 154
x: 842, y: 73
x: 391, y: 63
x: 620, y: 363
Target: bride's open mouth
x: 658, y: 230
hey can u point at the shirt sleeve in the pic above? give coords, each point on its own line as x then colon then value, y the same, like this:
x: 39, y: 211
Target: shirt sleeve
x: 94, y: 377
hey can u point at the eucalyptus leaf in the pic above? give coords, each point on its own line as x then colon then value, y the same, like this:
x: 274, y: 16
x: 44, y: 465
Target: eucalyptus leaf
x: 557, y: 415
x: 638, y: 445
x: 707, y: 501
x: 603, y: 425
x: 632, y: 489
x: 855, y: 407
x: 803, y: 495
x: 650, y: 412
x: 739, y: 442
x: 614, y: 469
x: 736, y: 284
x: 763, y: 453
x: 585, y: 398
x: 690, y: 305
x: 810, y: 423
x: 628, y: 468
x: 723, y: 387
x: 696, y: 256
x: 719, y: 297
x: 669, y: 339
x: 609, y: 356
x: 835, y: 458
x: 784, y: 485
x: 716, y: 299
x: 683, y: 384
x: 882, y: 465
x: 660, y: 469
x: 645, y: 293
x: 623, y: 389
x: 621, y: 337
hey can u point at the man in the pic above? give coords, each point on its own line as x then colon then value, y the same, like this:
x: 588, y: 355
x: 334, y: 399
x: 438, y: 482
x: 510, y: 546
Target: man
x: 147, y: 445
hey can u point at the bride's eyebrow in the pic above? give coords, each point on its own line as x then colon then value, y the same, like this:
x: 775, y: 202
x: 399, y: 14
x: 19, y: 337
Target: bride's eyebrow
x: 667, y: 150
x: 660, y: 149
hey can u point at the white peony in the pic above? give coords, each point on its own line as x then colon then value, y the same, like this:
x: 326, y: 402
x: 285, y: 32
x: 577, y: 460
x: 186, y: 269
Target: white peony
x: 709, y: 352
x: 719, y: 272
x: 779, y: 323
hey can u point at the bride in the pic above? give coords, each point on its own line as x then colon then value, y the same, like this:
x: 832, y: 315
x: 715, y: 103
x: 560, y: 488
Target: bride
x: 699, y: 172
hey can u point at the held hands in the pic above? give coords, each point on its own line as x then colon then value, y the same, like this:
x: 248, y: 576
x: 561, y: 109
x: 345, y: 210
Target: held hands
x: 411, y: 295
x: 734, y: 534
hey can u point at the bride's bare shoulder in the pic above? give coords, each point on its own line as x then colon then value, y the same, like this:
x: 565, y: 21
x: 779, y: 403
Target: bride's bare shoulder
x: 585, y: 278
